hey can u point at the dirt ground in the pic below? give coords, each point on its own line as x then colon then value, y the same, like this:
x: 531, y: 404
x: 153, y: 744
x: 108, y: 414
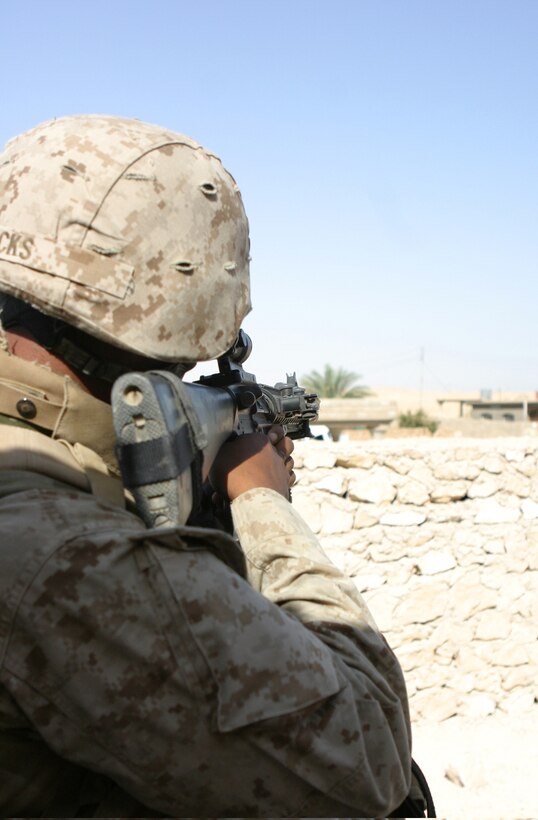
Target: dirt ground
x: 482, y: 767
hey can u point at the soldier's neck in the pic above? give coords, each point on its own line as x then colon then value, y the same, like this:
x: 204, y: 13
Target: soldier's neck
x: 21, y: 344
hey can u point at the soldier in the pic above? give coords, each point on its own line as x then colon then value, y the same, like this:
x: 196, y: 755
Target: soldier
x: 147, y: 673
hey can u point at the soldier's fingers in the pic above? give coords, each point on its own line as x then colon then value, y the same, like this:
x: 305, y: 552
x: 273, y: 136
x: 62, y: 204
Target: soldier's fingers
x: 289, y: 464
x: 282, y: 444
x: 292, y: 478
x: 276, y: 434
x: 285, y: 447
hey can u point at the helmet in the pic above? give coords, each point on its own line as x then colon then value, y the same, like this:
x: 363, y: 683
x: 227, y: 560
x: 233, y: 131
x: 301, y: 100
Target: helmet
x: 131, y: 233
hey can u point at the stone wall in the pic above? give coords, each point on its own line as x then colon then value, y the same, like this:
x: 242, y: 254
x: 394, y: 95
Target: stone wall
x: 441, y: 538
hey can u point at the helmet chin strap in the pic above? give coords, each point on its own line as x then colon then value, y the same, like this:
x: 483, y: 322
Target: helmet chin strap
x: 80, y: 360
x: 52, y: 334
x: 83, y: 362
x: 57, y: 337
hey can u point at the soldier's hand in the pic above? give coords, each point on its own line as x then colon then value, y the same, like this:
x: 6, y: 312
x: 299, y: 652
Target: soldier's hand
x: 254, y: 460
x: 284, y: 447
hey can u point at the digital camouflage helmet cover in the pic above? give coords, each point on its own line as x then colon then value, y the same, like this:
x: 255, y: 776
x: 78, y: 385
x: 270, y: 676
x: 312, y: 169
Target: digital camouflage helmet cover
x: 134, y: 234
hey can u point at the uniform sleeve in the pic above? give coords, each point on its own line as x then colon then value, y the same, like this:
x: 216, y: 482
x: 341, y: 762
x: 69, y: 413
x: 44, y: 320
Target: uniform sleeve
x: 288, y: 566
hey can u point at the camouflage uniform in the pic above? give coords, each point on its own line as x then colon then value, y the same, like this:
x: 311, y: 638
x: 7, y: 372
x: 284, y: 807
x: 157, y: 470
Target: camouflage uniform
x: 146, y: 672
x: 146, y: 657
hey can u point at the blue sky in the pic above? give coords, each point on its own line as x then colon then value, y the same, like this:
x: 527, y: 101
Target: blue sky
x: 386, y: 152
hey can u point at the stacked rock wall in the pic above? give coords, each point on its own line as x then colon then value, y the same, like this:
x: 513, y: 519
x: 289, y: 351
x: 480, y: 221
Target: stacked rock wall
x: 441, y: 538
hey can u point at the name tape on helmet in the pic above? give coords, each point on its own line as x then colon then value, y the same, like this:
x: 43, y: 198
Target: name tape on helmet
x: 69, y: 262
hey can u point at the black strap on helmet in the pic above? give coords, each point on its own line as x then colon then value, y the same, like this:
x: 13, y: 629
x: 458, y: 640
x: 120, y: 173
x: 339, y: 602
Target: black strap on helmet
x: 71, y: 345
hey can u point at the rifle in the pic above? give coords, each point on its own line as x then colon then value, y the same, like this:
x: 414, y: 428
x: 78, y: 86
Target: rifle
x: 169, y: 432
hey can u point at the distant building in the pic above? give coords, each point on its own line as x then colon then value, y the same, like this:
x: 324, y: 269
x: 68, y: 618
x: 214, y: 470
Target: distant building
x: 341, y: 415
x: 505, y: 410
x: 517, y: 410
x: 459, y: 414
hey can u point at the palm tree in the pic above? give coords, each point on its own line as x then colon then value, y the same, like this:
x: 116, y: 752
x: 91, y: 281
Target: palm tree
x: 334, y: 382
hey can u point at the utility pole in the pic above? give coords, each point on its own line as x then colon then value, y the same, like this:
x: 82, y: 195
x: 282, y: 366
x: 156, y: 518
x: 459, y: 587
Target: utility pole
x: 421, y: 375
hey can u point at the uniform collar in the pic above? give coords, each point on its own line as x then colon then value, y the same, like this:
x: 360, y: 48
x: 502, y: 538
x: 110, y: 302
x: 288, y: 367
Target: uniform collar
x: 57, y: 406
